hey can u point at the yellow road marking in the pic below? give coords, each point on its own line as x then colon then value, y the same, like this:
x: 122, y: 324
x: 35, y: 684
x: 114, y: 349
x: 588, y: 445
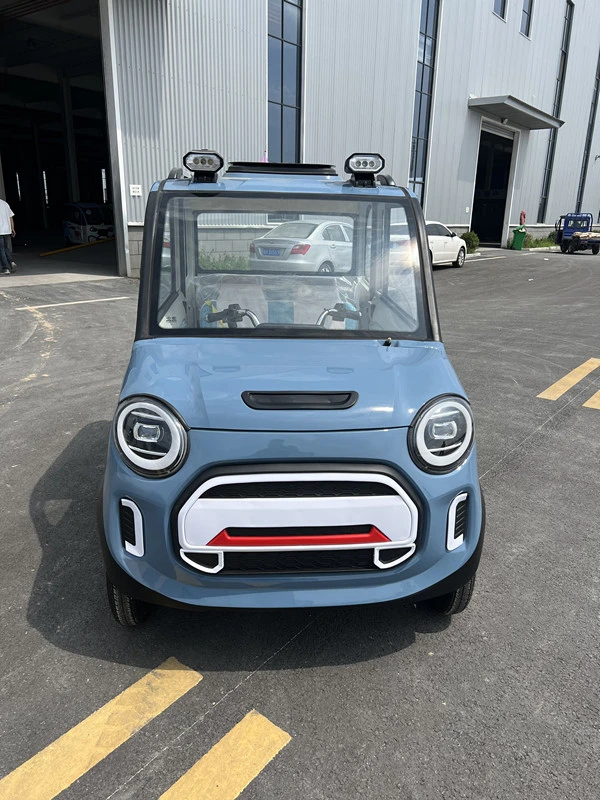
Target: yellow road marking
x: 56, y: 767
x: 225, y: 771
x: 593, y: 402
x: 76, y: 247
x: 564, y: 384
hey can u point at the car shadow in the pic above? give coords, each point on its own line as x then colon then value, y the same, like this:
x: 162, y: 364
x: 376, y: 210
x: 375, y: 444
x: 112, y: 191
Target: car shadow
x: 68, y: 603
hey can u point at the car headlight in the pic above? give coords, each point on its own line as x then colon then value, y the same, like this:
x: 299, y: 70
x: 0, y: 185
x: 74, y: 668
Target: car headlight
x: 152, y: 440
x: 441, y: 435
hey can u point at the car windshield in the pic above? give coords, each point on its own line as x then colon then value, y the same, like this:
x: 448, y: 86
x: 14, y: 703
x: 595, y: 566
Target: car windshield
x: 345, y: 267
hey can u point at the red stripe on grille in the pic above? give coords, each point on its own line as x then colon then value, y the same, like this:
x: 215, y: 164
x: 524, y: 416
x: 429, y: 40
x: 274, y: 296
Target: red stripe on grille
x: 223, y: 539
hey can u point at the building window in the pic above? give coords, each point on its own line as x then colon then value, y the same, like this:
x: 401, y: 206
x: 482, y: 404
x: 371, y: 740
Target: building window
x: 588, y: 139
x: 500, y: 8
x: 526, y: 17
x: 284, y: 54
x: 423, y: 96
x: 558, y: 95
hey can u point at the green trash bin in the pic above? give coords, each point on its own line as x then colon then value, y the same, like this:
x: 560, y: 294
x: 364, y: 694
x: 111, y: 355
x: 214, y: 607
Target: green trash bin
x: 518, y: 238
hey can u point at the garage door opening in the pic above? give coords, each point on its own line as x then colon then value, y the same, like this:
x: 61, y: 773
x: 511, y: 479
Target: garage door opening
x: 491, y: 187
x: 53, y: 138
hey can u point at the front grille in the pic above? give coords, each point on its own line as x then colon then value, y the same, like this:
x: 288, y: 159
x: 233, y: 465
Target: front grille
x: 460, y: 523
x: 315, y: 488
x: 127, y: 525
x: 335, y: 530
x: 300, y: 561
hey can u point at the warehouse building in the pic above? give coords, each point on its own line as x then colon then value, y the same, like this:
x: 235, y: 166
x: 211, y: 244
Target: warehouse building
x: 484, y: 109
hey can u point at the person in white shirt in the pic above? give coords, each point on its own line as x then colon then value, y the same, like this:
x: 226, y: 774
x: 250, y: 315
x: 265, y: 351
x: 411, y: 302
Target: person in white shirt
x: 7, y: 228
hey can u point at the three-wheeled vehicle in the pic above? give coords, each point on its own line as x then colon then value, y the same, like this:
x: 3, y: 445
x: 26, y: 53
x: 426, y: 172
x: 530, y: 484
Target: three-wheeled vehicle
x: 288, y: 436
x: 574, y: 232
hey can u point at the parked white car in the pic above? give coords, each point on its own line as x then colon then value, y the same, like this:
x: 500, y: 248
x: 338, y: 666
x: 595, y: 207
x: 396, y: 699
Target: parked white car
x: 304, y: 247
x: 444, y: 245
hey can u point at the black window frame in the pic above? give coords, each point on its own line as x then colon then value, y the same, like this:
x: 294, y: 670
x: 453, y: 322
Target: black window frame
x: 527, y: 17
x: 563, y: 61
x: 282, y: 151
x: 426, y: 59
x: 503, y: 5
x: 587, y: 148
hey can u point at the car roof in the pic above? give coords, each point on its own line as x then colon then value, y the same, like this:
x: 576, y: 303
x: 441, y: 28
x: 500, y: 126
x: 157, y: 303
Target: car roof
x: 281, y: 183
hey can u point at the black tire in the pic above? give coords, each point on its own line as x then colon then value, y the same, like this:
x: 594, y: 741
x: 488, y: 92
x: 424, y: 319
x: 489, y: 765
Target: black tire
x: 128, y: 611
x: 326, y: 267
x: 453, y: 602
x: 564, y: 246
x: 595, y: 249
x: 572, y: 248
x: 460, y: 259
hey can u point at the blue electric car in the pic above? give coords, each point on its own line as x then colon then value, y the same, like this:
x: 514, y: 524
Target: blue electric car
x: 288, y: 436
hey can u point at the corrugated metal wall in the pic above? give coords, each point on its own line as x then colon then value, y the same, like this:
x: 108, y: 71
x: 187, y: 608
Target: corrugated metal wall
x: 193, y: 73
x: 360, y: 61
x: 481, y: 55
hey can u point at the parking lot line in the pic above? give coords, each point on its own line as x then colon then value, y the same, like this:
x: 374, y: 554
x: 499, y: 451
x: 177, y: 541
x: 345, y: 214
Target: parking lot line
x: 571, y: 379
x: 60, y: 764
x: 74, y: 303
x: 593, y: 402
x: 225, y: 771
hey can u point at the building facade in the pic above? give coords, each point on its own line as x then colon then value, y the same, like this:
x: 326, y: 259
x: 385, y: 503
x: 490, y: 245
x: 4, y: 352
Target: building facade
x: 485, y: 108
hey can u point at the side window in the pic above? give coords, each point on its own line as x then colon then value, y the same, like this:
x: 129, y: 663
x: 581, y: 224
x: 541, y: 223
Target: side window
x: 334, y: 233
x: 349, y: 231
x: 444, y: 231
x: 431, y: 230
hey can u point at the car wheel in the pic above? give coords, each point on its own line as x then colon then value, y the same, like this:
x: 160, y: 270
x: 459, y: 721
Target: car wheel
x: 460, y: 258
x: 453, y: 602
x: 572, y: 248
x: 326, y: 266
x: 127, y: 610
x: 595, y: 249
x: 564, y: 247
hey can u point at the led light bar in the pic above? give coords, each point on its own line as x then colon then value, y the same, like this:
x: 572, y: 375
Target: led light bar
x: 204, y: 164
x: 364, y: 163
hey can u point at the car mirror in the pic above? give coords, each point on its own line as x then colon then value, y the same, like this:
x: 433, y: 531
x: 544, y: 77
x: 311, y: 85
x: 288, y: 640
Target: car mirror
x: 453, y: 234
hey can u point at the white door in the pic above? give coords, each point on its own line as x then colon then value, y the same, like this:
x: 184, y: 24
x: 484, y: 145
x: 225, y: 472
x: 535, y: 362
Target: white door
x: 451, y: 243
x: 340, y: 248
x: 436, y: 243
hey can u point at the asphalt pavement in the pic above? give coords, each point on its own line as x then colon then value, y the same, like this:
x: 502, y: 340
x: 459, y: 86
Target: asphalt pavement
x: 498, y: 703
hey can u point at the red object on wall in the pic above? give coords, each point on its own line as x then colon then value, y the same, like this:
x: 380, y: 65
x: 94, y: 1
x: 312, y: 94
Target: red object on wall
x: 522, y: 218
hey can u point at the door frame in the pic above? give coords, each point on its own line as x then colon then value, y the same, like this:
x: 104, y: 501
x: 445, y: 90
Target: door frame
x: 508, y: 131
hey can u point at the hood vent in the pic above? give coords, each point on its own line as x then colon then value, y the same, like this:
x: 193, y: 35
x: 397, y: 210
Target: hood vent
x: 299, y: 401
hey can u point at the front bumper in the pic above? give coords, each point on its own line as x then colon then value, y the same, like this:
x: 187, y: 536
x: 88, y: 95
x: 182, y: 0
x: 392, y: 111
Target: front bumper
x: 161, y: 577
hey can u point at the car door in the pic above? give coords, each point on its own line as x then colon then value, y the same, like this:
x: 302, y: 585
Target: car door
x: 436, y: 244
x: 450, y: 243
x: 340, y: 249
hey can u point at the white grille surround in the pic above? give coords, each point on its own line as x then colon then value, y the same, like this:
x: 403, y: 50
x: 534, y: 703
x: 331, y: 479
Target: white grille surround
x: 393, y: 513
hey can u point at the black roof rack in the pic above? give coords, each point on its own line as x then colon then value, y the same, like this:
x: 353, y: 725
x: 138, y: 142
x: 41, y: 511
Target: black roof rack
x: 280, y: 168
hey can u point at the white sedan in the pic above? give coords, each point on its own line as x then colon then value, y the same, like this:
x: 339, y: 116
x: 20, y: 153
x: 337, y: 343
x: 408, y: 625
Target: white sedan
x: 444, y: 245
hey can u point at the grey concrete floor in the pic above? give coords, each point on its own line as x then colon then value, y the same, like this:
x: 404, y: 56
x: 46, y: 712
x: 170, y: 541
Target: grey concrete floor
x: 381, y: 701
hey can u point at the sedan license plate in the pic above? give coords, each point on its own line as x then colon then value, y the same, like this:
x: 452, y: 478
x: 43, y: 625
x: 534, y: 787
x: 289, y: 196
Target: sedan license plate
x: 270, y: 251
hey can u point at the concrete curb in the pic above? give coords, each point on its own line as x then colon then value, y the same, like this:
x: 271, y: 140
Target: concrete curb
x: 552, y: 249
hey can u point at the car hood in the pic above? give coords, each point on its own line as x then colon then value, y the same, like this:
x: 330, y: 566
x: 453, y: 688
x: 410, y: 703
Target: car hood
x: 203, y: 379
